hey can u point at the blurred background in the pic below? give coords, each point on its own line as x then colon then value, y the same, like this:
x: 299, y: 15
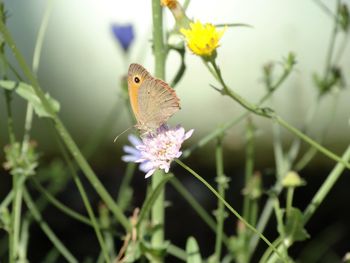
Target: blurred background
x: 82, y: 66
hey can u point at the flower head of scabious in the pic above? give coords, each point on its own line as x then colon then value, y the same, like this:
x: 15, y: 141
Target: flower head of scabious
x: 156, y: 150
x: 124, y: 34
x: 203, y: 39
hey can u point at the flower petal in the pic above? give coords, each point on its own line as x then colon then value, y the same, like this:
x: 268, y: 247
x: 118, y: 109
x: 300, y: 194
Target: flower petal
x: 150, y: 172
x: 134, y: 140
x: 129, y: 158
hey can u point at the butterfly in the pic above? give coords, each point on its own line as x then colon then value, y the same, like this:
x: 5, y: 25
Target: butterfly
x: 152, y: 100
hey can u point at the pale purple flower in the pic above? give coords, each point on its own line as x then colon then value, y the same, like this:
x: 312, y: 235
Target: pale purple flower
x: 156, y: 150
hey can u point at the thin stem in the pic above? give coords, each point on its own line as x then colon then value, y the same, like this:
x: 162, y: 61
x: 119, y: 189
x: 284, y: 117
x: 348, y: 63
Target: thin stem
x: 47, y: 230
x: 229, y: 207
x: 326, y: 187
x: 193, y: 203
x: 295, y: 146
x: 16, y: 216
x: 86, y: 202
x: 217, y: 132
x: 222, y: 185
x: 332, y: 43
x: 63, y: 208
x: 249, y: 167
x: 159, y: 50
x: 7, y: 200
x: 282, y: 167
x: 123, y: 195
x: 186, y: 4
x: 310, y: 141
x: 23, y: 247
x: 203, y: 214
x: 41, y: 35
x: 249, y: 203
x: 27, y: 128
x: 177, y: 252
x: 105, y: 221
x: 342, y: 48
x: 264, y: 217
x: 67, y: 139
x: 10, y: 129
x: 289, y: 200
x: 312, y: 151
x: 97, y: 137
x: 227, y: 91
x: 268, y: 113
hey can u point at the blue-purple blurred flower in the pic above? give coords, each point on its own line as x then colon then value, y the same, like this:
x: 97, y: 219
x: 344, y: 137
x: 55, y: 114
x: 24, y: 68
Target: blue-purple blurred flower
x: 156, y: 150
x: 124, y: 34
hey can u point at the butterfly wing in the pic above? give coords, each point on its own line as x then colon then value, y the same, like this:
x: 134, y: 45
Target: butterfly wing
x: 136, y: 76
x: 157, y: 102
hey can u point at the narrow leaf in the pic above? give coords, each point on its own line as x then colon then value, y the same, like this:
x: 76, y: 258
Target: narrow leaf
x: 27, y: 92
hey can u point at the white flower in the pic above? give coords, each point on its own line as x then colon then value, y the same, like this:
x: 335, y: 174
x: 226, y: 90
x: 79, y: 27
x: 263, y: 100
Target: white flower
x: 156, y: 150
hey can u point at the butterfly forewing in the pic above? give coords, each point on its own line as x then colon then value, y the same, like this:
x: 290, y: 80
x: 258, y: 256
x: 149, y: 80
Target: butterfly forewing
x: 157, y: 102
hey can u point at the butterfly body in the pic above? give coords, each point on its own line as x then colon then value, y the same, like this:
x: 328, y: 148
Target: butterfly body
x: 152, y: 100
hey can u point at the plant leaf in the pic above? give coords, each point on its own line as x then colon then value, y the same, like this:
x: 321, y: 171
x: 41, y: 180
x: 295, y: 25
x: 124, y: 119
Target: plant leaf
x: 294, y: 228
x: 27, y: 92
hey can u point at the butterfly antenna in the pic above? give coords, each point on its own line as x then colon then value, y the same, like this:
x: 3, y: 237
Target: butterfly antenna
x: 116, y: 138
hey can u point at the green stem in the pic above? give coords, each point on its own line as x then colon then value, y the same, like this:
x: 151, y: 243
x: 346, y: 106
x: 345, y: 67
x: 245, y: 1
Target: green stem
x: 267, y: 113
x: 86, y: 203
x: 10, y: 129
x: 177, y: 252
x: 332, y: 42
x: 67, y: 139
x: 266, y: 256
x: 289, y: 200
x: 193, y: 203
x: 159, y: 51
x: 41, y: 35
x: 27, y: 128
x: 310, y: 141
x: 326, y: 187
x: 217, y: 132
x: 66, y: 210
x: 124, y: 195
x: 249, y: 203
x: 229, y: 207
x: 222, y: 185
x: 16, y: 217
x: 47, y: 230
x: 249, y: 167
x: 282, y: 247
x: 227, y: 91
x: 7, y: 200
x: 203, y: 214
x: 264, y: 217
x: 311, y: 152
x: 105, y: 221
x: 23, y: 248
x: 282, y: 167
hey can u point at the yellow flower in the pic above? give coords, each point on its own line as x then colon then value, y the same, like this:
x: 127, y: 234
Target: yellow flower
x: 202, y: 39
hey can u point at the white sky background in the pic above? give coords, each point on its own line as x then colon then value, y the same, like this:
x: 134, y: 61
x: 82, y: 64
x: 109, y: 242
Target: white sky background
x: 81, y: 63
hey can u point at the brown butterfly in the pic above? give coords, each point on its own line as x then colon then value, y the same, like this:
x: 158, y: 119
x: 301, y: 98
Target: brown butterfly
x: 152, y: 100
